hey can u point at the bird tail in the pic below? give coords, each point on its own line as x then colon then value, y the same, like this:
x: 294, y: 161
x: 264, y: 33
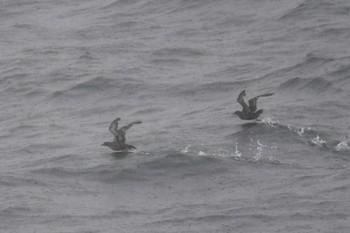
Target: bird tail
x: 259, y: 112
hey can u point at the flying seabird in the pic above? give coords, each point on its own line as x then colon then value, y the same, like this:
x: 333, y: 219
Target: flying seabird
x: 249, y: 112
x: 118, y: 143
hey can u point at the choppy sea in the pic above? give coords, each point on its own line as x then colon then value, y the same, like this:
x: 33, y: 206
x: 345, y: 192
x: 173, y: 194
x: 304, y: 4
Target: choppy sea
x: 68, y: 68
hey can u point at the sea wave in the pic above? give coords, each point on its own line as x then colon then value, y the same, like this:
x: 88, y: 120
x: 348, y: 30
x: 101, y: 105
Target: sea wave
x: 315, y: 85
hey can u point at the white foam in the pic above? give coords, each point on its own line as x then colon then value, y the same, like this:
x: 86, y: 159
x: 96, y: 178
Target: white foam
x: 269, y: 121
x: 237, y: 152
x: 318, y: 141
x: 186, y: 149
x: 301, y: 131
x: 343, y: 146
x: 259, y: 150
x: 201, y: 153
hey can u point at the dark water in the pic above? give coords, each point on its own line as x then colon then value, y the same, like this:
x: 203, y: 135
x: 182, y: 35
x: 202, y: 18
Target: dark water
x: 68, y: 68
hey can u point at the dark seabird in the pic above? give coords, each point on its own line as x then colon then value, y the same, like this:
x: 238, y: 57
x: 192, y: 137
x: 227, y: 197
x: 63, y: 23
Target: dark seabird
x: 249, y: 112
x: 119, y: 136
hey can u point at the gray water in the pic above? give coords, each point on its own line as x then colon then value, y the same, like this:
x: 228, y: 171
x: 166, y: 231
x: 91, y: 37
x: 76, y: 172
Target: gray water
x: 68, y: 68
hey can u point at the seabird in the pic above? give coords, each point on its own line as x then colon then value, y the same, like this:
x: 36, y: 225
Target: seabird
x: 249, y: 112
x: 119, y: 136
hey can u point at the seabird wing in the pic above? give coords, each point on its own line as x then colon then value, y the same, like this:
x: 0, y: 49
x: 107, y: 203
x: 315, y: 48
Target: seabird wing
x: 264, y: 95
x: 241, y: 100
x: 252, y: 104
x: 122, y: 131
x: 113, y: 128
x: 253, y: 101
x: 119, y: 136
x: 125, y: 128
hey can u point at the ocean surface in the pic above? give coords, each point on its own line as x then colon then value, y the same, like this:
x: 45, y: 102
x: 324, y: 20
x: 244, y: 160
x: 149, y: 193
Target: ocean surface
x: 69, y: 68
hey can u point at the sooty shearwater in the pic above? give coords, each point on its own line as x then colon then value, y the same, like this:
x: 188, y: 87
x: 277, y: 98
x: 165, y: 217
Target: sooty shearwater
x: 118, y: 143
x: 249, y: 112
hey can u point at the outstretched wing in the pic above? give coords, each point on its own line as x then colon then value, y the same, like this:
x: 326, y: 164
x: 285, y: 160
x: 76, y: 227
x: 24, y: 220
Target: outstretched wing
x: 125, y: 128
x: 113, y: 128
x: 253, y: 101
x: 120, y: 136
x: 241, y: 100
x: 252, y: 104
x: 264, y: 95
x: 122, y: 130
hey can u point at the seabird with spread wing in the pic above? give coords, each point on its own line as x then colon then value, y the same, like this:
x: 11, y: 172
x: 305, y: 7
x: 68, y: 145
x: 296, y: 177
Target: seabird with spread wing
x: 118, y: 143
x: 249, y: 112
